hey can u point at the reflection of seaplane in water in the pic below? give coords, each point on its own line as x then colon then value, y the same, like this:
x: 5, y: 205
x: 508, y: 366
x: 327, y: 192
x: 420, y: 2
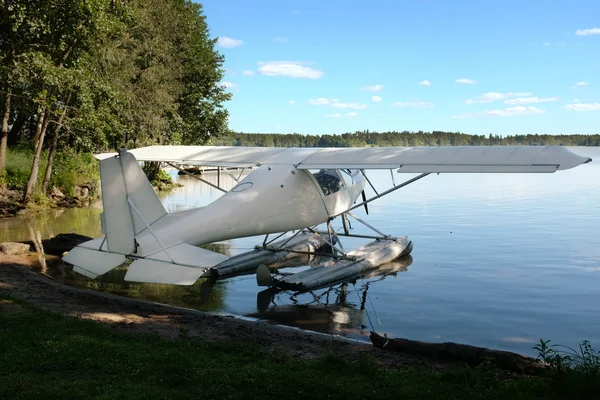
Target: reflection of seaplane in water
x: 288, y: 190
x: 334, y: 310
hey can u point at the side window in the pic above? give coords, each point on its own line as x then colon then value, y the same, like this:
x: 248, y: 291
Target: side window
x: 347, y: 176
x: 328, y: 180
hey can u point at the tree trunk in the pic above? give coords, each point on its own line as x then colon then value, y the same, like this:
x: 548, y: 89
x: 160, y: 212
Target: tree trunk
x: 16, y: 129
x: 52, y: 150
x: 3, y: 142
x: 43, y: 121
x: 151, y: 169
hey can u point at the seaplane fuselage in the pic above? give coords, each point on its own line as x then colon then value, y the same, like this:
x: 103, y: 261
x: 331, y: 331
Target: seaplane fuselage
x: 270, y: 199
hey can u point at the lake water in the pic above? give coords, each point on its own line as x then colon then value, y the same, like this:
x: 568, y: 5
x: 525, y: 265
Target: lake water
x: 499, y: 260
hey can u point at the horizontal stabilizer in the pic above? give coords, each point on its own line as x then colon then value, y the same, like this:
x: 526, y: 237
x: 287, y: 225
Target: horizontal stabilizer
x: 182, y: 264
x: 92, y: 262
x: 152, y: 271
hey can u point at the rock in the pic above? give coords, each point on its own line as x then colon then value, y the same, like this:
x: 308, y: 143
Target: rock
x: 14, y: 249
x: 85, y: 192
x: 56, y: 193
x: 471, y: 355
x: 61, y: 243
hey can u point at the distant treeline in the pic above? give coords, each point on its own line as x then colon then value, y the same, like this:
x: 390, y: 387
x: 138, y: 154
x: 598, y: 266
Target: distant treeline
x: 404, y: 138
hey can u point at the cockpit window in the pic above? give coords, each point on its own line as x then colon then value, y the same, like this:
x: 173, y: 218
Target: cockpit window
x: 347, y: 176
x: 328, y: 180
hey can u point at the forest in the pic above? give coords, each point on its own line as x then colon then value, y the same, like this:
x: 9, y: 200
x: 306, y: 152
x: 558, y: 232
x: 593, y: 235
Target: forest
x: 404, y: 138
x: 82, y: 76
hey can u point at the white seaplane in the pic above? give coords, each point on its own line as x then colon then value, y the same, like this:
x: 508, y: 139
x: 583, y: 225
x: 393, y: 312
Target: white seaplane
x: 289, y: 189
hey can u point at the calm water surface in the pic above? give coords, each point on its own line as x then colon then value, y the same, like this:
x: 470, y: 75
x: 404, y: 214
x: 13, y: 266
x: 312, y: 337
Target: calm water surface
x: 499, y: 260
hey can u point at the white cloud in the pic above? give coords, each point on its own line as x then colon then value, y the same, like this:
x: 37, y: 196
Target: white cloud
x: 350, y: 114
x: 280, y: 39
x: 494, y: 96
x: 528, y: 100
x: 512, y: 111
x: 583, y: 107
x: 586, y: 32
x: 507, y: 112
x: 355, y: 106
x: 248, y: 72
x: 228, y: 42
x: 546, y: 43
x: 291, y: 102
x: 321, y: 101
x: 373, y: 88
x: 228, y: 84
x: 466, y: 81
x: 335, y: 103
x: 465, y: 115
x: 580, y: 84
x: 425, y: 83
x: 293, y: 69
x: 418, y: 104
x: 576, y: 100
x: 376, y: 99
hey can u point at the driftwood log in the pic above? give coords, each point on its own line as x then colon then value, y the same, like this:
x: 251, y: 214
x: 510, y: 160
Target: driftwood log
x: 60, y: 244
x: 470, y: 355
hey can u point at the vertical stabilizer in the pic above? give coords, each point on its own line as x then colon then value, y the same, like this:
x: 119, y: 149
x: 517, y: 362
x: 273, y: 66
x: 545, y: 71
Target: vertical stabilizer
x: 129, y: 202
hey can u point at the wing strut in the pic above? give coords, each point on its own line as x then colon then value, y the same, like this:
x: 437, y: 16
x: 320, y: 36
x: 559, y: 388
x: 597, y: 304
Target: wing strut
x: 132, y: 204
x: 368, y: 180
x: 200, y: 179
x: 408, y: 182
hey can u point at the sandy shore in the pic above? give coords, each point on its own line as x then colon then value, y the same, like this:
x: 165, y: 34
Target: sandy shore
x: 137, y: 316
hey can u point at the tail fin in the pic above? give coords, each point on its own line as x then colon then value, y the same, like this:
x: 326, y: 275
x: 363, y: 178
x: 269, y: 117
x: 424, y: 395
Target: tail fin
x: 130, y: 204
x: 130, y: 207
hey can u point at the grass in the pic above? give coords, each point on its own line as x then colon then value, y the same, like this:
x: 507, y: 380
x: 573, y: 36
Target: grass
x: 46, y: 355
x: 18, y: 167
x: 70, y: 169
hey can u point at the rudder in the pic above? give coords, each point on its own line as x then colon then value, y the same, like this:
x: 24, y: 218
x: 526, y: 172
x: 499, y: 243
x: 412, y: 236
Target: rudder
x: 129, y: 202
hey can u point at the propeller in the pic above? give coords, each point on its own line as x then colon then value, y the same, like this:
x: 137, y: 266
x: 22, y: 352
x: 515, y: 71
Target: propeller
x: 364, y: 197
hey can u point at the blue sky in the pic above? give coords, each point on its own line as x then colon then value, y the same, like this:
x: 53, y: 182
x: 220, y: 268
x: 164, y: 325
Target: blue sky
x: 479, y: 67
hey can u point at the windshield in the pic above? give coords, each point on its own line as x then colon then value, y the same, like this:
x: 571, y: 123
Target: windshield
x: 328, y: 180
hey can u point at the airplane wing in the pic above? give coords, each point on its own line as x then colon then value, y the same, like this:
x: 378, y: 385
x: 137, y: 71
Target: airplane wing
x: 442, y: 159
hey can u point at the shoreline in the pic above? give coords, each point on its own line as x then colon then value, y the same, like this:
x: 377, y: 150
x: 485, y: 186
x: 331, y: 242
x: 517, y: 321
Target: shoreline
x: 144, y: 317
x: 170, y: 322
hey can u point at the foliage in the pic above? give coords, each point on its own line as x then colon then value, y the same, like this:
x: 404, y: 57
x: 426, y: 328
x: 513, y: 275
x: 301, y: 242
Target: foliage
x: 73, y: 169
x: 70, y: 170
x: 18, y: 166
x: 573, y: 368
x: 585, y: 360
x: 97, y: 74
x: 163, y: 176
x: 83, y: 359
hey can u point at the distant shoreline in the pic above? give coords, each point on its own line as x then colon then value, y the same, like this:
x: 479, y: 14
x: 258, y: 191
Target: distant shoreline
x: 367, y: 138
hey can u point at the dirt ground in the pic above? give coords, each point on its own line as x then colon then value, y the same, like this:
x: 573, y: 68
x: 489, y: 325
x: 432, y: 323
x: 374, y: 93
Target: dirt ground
x: 137, y: 316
